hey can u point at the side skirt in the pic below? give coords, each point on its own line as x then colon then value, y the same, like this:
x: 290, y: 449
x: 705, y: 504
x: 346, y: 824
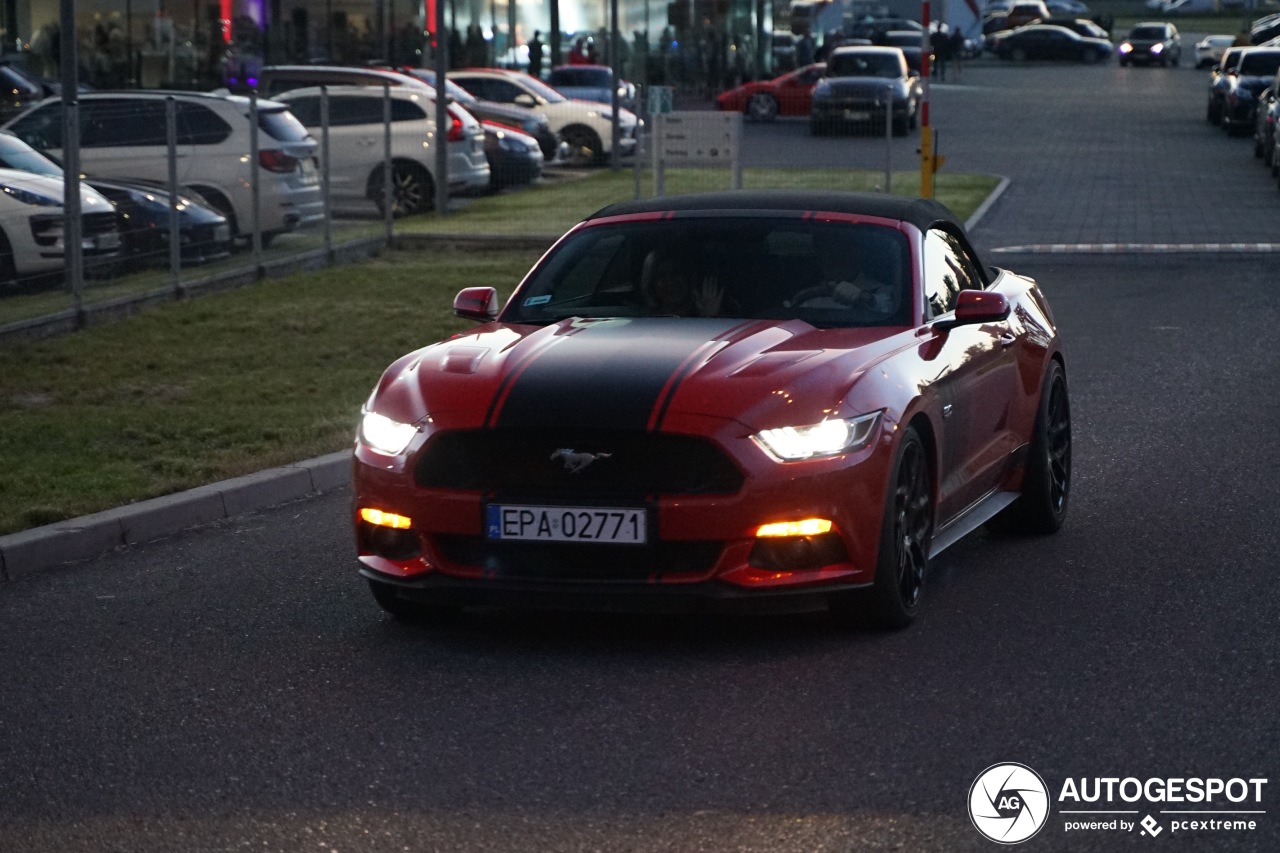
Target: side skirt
x: 970, y: 520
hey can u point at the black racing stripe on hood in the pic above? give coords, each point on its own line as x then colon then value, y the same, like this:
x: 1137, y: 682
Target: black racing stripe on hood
x: 608, y: 375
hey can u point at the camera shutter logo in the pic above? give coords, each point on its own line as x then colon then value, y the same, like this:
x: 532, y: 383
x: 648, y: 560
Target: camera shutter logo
x: 1008, y: 803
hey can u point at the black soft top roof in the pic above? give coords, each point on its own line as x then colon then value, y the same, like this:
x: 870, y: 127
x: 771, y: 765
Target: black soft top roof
x: 918, y: 211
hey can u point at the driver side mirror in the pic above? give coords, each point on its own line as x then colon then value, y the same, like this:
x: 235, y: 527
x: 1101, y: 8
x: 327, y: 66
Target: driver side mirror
x: 975, y: 307
x: 476, y: 303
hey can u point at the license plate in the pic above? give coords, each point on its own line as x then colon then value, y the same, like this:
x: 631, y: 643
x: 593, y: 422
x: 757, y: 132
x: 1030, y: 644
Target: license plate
x: 607, y: 525
x: 102, y: 242
x: 857, y: 115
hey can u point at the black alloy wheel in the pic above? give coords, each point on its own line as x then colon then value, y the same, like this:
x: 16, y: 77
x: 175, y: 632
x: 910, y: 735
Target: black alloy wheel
x: 905, y: 536
x: 411, y: 190
x: 1046, y: 489
x: 584, y: 145
x: 762, y: 107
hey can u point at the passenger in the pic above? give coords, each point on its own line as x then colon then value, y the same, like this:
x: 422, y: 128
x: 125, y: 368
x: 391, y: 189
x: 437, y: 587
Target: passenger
x: 670, y: 286
x: 855, y: 274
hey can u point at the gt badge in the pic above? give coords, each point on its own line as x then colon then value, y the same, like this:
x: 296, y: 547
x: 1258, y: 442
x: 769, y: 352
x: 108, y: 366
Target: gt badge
x: 574, y: 461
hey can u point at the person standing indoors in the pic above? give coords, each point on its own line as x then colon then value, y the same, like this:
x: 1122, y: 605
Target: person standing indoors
x: 535, y: 55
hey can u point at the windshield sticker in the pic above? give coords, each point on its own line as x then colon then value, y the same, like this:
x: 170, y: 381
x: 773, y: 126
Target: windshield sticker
x: 536, y: 300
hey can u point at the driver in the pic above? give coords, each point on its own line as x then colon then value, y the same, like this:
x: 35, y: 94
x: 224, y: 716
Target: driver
x: 671, y: 286
x: 845, y: 281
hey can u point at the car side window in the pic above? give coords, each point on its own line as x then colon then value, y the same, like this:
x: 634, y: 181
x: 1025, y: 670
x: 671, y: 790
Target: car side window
x: 402, y: 110
x: 306, y: 110
x: 349, y: 110
x: 122, y: 123
x: 199, y: 125
x: 948, y: 269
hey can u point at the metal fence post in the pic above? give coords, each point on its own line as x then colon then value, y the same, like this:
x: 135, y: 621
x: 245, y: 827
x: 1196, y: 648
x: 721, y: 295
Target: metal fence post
x: 72, y: 226
x: 659, y: 179
x: 254, y: 155
x: 388, y: 200
x: 324, y: 174
x: 175, y: 230
x: 888, y: 140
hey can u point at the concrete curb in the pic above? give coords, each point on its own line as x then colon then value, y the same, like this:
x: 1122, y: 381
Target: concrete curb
x: 23, y: 554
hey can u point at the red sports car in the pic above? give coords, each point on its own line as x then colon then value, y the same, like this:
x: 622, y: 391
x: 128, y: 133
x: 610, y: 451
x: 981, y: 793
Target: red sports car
x: 779, y: 397
x: 764, y: 100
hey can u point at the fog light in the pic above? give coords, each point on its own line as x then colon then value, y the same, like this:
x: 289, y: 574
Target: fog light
x: 804, y: 527
x: 378, y: 518
x: 798, y: 553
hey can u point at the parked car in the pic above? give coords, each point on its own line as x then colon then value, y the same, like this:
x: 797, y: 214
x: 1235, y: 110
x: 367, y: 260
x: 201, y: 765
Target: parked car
x: 32, y: 225
x: 782, y: 49
x: 17, y: 91
x: 123, y: 136
x: 357, y: 147
x: 1024, y: 12
x: 592, y: 83
x: 1257, y: 68
x: 1209, y: 49
x: 1265, y: 116
x: 515, y: 464
x: 1220, y: 81
x: 1264, y: 29
x: 1151, y: 43
x: 862, y: 83
x: 1080, y: 26
x: 1049, y: 42
x: 873, y: 28
x: 515, y: 158
x: 790, y: 94
x: 523, y: 119
x: 586, y: 126
x: 142, y: 212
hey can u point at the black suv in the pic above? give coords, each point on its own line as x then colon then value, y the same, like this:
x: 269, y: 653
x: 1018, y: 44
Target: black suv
x: 1151, y: 43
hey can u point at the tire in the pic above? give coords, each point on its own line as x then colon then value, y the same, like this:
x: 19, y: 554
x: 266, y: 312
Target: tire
x: 1213, y: 113
x: 762, y: 107
x: 219, y: 202
x: 905, y: 535
x: 901, y: 126
x: 8, y: 270
x: 1091, y: 56
x: 585, y: 148
x: 412, y: 190
x: 1257, y: 147
x: 410, y: 612
x: 1046, y: 489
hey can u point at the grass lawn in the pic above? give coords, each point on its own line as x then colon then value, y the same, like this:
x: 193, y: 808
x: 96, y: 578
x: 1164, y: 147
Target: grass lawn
x: 195, y: 391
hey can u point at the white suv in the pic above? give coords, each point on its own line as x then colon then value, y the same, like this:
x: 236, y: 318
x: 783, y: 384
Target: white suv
x: 357, y: 144
x: 123, y: 135
x: 586, y: 126
x: 32, y: 223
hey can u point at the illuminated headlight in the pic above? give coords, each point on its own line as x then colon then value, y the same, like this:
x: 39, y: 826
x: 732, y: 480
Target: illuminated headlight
x: 31, y: 197
x: 385, y: 435
x: 1126, y: 48
x: 1157, y: 48
x: 839, y: 435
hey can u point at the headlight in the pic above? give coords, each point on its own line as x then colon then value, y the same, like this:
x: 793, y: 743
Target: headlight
x: 31, y: 197
x: 1126, y: 47
x: 385, y: 435
x: 1156, y: 48
x: 840, y: 435
x: 510, y: 143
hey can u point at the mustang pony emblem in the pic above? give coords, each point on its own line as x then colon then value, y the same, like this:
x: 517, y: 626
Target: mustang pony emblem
x: 574, y: 461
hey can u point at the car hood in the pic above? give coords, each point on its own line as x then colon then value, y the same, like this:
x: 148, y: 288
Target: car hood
x: 156, y: 200
x: 52, y: 187
x: 632, y: 373
x: 842, y: 86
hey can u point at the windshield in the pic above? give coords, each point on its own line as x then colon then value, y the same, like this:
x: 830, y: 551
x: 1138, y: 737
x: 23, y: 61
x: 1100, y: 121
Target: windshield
x: 455, y: 91
x: 542, y: 90
x: 1147, y: 34
x: 864, y: 65
x: 826, y: 273
x: 16, y: 154
x: 1258, y: 64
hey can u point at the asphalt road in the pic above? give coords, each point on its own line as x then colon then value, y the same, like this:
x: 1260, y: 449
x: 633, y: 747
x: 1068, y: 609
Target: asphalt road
x: 235, y: 688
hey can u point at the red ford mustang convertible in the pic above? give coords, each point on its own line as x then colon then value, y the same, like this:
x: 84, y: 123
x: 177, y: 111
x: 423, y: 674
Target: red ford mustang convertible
x: 783, y: 399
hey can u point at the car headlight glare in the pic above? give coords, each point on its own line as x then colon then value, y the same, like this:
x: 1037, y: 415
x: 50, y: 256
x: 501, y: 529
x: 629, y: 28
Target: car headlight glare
x: 385, y: 435
x: 31, y: 197
x: 1126, y: 47
x: 828, y: 438
x: 1157, y: 48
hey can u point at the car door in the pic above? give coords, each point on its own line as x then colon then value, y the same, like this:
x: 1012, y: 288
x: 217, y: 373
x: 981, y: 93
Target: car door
x: 978, y: 381
x: 127, y: 138
x: 795, y: 95
x: 356, y: 139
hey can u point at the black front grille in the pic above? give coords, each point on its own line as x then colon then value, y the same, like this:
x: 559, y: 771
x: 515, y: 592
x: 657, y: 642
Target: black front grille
x: 98, y: 223
x: 626, y: 464
x: 571, y: 561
